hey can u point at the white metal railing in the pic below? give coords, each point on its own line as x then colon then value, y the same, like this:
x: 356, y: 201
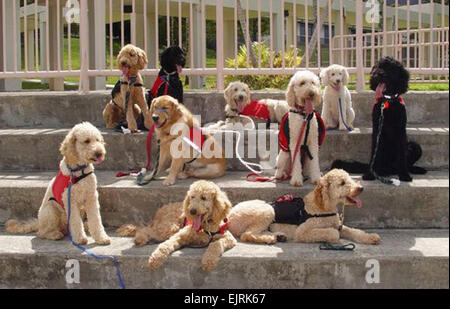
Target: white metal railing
x: 38, y: 37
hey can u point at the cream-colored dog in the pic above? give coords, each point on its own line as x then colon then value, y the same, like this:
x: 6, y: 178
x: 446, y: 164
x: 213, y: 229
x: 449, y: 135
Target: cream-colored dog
x: 303, y: 94
x: 237, y: 96
x: 335, y: 79
x: 250, y: 220
x: 81, y: 149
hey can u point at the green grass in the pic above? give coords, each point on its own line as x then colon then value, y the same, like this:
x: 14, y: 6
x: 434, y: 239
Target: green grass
x: 211, y: 81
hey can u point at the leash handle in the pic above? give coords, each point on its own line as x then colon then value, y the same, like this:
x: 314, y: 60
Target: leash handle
x: 332, y: 247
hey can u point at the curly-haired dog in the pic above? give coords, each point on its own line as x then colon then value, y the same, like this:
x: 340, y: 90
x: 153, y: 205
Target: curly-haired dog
x: 192, y: 152
x: 337, y: 109
x: 206, y: 209
x: 314, y: 219
x: 303, y: 94
x: 130, y: 60
x: 392, y: 153
x: 238, y: 103
x: 81, y: 149
x: 168, y: 82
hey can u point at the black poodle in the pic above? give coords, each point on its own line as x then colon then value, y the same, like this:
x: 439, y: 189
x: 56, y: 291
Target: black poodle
x: 168, y: 82
x: 392, y: 153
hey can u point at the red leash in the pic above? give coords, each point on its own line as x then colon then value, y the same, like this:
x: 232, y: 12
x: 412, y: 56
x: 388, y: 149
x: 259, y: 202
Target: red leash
x: 149, y: 155
x: 253, y: 177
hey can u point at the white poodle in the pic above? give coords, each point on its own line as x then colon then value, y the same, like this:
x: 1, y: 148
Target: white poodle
x: 239, y: 104
x: 303, y: 94
x: 81, y: 149
x: 335, y: 78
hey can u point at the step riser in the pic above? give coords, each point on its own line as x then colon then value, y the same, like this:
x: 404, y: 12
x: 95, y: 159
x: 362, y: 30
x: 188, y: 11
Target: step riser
x: 232, y: 273
x: 23, y: 152
x: 66, y: 109
x: 383, y: 206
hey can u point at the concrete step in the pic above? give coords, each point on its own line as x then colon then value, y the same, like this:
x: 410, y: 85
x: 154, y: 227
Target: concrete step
x: 406, y: 258
x: 63, y: 109
x: 38, y: 149
x: 420, y: 204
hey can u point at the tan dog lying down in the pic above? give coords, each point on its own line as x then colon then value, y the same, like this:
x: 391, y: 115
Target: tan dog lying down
x: 206, y: 207
x: 82, y: 147
x: 210, y: 163
x: 251, y: 220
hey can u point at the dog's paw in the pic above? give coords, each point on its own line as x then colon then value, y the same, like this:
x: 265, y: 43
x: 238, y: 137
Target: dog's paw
x: 169, y: 182
x: 281, y: 237
x: 296, y: 182
x: 374, y: 239
x: 104, y: 241
x: 81, y: 241
x: 154, y: 263
x: 368, y: 176
x: 182, y: 175
x: 405, y: 178
x: 209, y: 263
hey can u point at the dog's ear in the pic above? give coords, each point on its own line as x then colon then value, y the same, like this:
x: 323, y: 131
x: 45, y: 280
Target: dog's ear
x: 321, y: 193
x: 187, y: 203
x: 68, y: 149
x: 324, y: 76
x: 345, y: 76
x: 290, y: 94
x: 222, y: 206
x: 143, y: 61
x: 227, y: 92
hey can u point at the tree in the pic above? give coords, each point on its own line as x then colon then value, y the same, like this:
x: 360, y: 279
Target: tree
x: 243, y: 22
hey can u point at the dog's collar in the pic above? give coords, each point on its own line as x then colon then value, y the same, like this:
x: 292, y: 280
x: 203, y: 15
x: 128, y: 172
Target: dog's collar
x: 77, y: 168
x: 131, y: 81
x: 301, y: 112
x: 222, y: 229
x: 171, y: 73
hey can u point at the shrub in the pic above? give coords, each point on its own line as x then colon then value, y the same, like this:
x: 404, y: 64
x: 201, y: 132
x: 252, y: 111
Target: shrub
x: 257, y: 82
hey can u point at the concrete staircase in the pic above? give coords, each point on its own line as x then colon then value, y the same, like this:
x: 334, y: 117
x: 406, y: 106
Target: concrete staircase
x: 412, y: 219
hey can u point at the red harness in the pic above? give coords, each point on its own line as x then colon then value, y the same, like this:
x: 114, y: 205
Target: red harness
x: 61, y: 183
x: 159, y: 82
x: 222, y: 229
x: 256, y: 109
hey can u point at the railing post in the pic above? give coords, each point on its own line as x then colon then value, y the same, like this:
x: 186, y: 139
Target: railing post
x: 360, y: 78
x: 84, y: 47
x: 219, y: 44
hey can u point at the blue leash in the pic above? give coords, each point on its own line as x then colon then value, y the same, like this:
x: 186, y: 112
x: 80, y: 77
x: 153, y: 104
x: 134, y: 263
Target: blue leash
x: 342, y: 116
x: 84, y: 249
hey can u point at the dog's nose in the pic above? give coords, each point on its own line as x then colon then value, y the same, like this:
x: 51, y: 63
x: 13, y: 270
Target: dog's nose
x: 98, y: 154
x: 124, y: 63
x: 193, y: 212
x: 312, y: 94
x: 155, y: 118
x: 338, y: 81
x: 241, y: 97
x: 361, y: 189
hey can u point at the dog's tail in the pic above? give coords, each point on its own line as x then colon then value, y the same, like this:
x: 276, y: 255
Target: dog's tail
x: 127, y: 230
x: 22, y: 227
x: 351, y: 166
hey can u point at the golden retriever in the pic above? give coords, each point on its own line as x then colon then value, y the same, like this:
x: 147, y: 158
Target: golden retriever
x: 255, y: 221
x: 130, y: 60
x: 81, y: 149
x: 176, y: 128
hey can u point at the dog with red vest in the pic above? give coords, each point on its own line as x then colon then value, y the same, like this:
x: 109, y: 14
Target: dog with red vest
x: 301, y: 131
x: 81, y: 149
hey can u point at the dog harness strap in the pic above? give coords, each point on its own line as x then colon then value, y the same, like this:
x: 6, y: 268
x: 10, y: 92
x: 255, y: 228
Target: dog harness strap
x: 159, y: 82
x: 222, y: 229
x: 256, y: 109
x: 198, y: 138
x: 61, y: 183
x: 292, y: 211
x: 283, y: 136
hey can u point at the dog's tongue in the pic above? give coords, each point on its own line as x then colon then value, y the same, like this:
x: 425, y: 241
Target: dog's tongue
x: 380, y: 89
x: 357, y: 201
x: 179, y: 69
x: 309, y: 107
x: 125, y: 70
x: 337, y: 87
x: 197, y: 223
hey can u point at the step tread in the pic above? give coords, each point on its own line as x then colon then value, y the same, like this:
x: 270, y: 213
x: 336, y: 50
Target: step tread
x: 231, y: 180
x: 395, y: 244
